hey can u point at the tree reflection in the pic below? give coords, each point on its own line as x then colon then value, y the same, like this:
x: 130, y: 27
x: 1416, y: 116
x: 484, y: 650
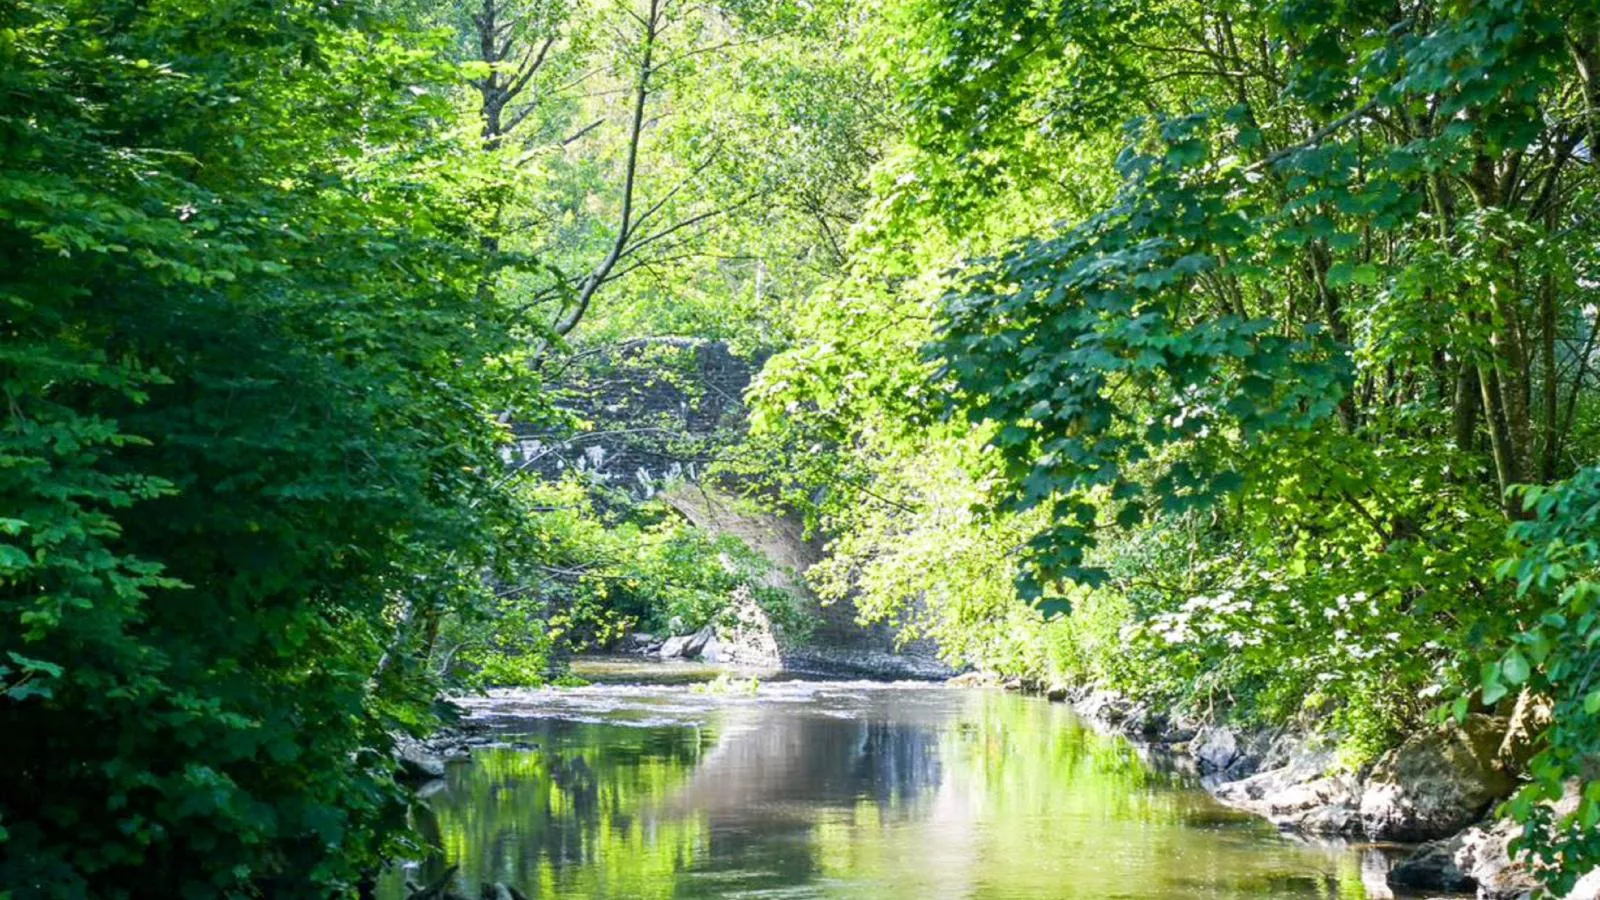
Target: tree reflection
x: 897, y: 794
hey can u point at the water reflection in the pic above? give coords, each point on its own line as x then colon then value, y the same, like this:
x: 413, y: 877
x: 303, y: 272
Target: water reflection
x: 847, y: 791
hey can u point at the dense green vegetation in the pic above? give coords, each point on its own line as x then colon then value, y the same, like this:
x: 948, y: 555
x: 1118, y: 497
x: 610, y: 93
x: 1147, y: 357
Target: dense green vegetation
x: 1240, y: 358
x: 1251, y: 320
x: 244, y: 369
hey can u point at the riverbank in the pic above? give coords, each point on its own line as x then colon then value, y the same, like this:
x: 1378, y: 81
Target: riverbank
x: 1436, y: 791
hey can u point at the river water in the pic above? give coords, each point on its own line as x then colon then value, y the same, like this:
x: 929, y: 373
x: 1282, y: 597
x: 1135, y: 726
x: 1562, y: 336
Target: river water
x: 808, y: 789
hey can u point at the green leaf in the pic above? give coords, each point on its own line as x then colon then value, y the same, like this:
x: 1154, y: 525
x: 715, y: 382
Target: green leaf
x: 1514, y: 668
x: 1054, y: 607
x: 35, y: 666
x: 1493, y: 687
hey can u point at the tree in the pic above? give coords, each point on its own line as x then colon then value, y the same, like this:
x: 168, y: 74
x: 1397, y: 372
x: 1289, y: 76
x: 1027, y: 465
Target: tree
x: 248, y: 383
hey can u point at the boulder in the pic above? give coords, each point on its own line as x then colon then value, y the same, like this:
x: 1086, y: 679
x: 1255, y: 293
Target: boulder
x: 1434, y: 867
x: 1155, y: 726
x: 1485, y: 854
x: 639, y: 641
x: 1225, y: 754
x: 1214, y: 748
x: 697, y: 642
x: 1105, y: 707
x: 1436, y: 783
x: 1169, y: 730
x: 416, y: 763
x: 713, y: 651
x: 1304, y: 793
x: 673, y: 647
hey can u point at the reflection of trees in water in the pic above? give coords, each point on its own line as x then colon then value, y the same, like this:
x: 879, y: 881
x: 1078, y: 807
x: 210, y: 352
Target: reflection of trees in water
x: 899, y: 765
x: 568, y: 810
x: 980, y: 795
x: 776, y: 763
x: 600, y: 806
x: 764, y: 787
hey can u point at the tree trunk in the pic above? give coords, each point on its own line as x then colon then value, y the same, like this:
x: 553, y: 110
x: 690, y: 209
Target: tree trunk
x: 1466, y: 408
x: 1505, y: 458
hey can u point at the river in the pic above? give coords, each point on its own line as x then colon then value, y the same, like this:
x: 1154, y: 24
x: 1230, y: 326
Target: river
x: 662, y: 788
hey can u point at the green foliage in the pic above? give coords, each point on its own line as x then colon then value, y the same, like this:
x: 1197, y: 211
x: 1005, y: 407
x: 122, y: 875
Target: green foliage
x: 1557, y: 656
x: 1247, y: 322
x: 1325, y: 312
x: 590, y: 572
x: 248, y: 385
x: 1250, y: 319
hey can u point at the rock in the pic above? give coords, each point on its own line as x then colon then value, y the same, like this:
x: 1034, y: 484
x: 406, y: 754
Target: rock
x: 673, y: 647
x: 417, y: 764
x: 832, y: 662
x: 974, y: 679
x: 1104, y: 707
x: 1056, y: 693
x: 640, y: 641
x: 438, y: 889
x: 429, y: 787
x: 697, y: 642
x: 1214, y: 748
x: 1485, y: 854
x: 1176, y: 731
x: 1433, y: 867
x: 713, y: 651
x: 1223, y: 752
x: 1299, y: 794
x: 1153, y: 726
x: 1436, y: 783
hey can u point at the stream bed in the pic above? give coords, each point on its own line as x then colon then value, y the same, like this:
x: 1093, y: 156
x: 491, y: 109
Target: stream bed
x: 652, y: 783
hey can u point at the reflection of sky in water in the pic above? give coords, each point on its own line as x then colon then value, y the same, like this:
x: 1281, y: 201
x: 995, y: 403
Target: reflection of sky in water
x: 845, y: 790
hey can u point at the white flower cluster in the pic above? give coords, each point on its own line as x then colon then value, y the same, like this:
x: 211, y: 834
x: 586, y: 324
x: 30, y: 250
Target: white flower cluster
x: 1226, y: 614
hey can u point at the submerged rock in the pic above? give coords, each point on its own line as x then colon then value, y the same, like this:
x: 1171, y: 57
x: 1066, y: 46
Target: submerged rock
x: 1434, y: 867
x: 1436, y: 783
